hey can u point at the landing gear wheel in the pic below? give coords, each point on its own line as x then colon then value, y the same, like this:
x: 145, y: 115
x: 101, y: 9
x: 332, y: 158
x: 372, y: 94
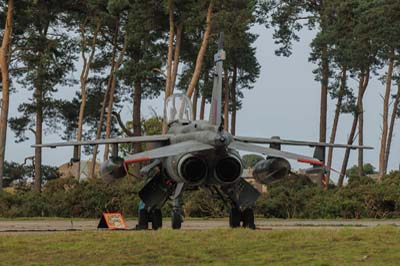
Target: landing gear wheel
x: 156, y: 219
x: 248, y: 219
x: 234, y: 218
x: 143, y: 217
x: 176, y: 220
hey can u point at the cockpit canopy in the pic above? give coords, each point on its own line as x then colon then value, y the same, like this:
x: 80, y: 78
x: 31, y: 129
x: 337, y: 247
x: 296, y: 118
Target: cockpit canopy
x: 178, y: 107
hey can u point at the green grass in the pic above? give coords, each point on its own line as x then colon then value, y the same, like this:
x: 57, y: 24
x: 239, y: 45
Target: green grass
x: 373, y: 246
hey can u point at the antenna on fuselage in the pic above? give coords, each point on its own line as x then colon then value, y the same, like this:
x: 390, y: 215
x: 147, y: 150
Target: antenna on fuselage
x: 216, y: 100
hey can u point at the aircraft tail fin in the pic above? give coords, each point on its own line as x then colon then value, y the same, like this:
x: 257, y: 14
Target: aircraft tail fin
x: 216, y: 100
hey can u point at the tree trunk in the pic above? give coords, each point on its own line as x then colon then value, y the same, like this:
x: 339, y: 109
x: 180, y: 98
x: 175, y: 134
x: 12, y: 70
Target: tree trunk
x: 169, y: 60
x: 137, y: 130
x: 202, y: 51
x: 178, y: 41
x: 103, y: 107
x: 385, y: 115
x: 170, y: 47
x: 360, y: 168
x: 391, y: 127
x: 195, y: 100
x: 112, y: 92
x: 39, y: 97
x: 38, y: 138
x: 83, y: 79
x: 233, y: 97
x: 99, y: 127
x: 336, y: 118
x: 324, y: 96
x: 226, y: 100
x: 4, y: 53
x: 362, y: 86
x: 108, y: 118
x: 347, y: 152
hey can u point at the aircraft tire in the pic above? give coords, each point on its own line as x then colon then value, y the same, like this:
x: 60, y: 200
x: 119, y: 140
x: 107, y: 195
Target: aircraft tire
x: 143, y: 220
x: 176, y: 220
x: 234, y: 218
x: 156, y: 219
x: 248, y: 219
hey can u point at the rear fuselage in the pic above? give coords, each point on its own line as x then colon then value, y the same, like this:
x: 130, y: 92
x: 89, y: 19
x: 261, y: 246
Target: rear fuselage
x: 221, y: 165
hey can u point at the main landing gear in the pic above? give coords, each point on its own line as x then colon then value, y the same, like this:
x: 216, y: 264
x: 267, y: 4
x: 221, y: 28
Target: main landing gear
x: 145, y: 217
x: 236, y: 216
x: 177, y: 213
x: 176, y: 220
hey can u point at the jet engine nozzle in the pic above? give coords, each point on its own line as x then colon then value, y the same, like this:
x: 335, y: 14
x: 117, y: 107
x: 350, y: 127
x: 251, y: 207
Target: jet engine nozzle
x: 112, y: 169
x: 192, y: 169
x: 228, y: 169
x: 271, y: 170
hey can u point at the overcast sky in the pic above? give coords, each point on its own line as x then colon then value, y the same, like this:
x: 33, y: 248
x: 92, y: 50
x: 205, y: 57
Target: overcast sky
x: 284, y: 102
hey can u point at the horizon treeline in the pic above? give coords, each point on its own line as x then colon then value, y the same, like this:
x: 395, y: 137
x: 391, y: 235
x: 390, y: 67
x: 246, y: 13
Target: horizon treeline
x: 125, y: 51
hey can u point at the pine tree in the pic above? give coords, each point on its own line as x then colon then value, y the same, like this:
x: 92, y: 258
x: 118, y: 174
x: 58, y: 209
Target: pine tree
x: 47, y: 59
x: 5, y: 55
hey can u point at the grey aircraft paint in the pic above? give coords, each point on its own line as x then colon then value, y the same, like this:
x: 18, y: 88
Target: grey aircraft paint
x: 197, y: 154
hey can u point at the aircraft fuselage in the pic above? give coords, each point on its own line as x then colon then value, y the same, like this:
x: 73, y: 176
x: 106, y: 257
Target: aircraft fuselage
x: 221, y: 165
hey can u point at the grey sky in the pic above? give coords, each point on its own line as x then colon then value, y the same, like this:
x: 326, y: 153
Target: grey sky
x: 284, y: 102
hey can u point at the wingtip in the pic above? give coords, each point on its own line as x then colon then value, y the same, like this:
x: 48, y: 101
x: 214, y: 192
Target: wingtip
x: 313, y: 162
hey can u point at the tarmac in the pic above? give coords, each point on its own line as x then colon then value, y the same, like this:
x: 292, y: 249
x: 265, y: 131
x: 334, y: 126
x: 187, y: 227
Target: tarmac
x: 18, y: 226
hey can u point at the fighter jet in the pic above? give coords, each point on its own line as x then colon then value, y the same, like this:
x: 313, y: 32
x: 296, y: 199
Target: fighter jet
x: 200, y: 153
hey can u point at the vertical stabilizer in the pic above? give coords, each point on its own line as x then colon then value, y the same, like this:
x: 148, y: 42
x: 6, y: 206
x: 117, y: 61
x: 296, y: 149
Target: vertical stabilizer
x: 216, y: 100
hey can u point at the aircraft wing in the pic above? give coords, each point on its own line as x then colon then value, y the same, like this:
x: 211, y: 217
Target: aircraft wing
x: 169, y: 150
x: 273, y: 152
x: 296, y: 142
x: 155, y: 138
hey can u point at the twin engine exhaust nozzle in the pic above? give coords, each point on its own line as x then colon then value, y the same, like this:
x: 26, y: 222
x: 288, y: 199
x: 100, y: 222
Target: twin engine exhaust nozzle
x: 194, y: 170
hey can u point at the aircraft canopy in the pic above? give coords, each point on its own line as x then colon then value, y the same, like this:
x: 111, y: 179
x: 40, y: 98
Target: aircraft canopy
x: 178, y: 107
